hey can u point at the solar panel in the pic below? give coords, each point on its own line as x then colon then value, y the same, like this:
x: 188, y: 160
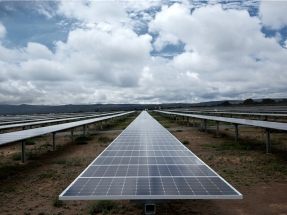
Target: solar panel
x: 54, y: 120
x: 147, y: 162
x: 258, y: 123
x: 25, y: 134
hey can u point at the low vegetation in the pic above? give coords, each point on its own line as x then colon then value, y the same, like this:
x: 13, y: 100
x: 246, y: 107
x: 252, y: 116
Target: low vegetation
x: 57, y: 202
x: 185, y: 142
x: 106, y: 206
x: 230, y: 145
x: 71, y: 162
x: 81, y: 140
x: 105, y: 139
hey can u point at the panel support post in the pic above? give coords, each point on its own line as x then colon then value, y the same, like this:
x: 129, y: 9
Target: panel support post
x: 187, y: 121
x: 101, y: 125
x: 72, y: 135
x: 87, y: 129
x: 204, y: 124
x: 217, y: 129
x: 23, y: 151
x: 193, y: 121
x: 236, y: 132
x: 54, y: 140
x: 268, y: 142
x: 95, y: 126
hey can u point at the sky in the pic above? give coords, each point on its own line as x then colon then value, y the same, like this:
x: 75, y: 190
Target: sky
x: 131, y: 51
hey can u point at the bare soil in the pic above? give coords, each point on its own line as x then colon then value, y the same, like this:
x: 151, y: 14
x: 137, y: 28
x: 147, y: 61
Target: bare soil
x: 32, y: 188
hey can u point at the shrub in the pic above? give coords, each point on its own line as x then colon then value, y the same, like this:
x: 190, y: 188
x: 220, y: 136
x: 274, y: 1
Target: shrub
x: 57, y: 202
x: 102, y: 206
x: 104, y: 139
x: 81, y: 140
x: 30, y: 141
x: 47, y: 174
x: 8, y: 189
x: 33, y: 154
x: 185, y: 142
x: 16, y: 156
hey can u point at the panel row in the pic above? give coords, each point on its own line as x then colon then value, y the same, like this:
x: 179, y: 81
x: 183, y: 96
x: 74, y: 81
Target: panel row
x: 203, y: 186
x: 146, y: 147
x: 148, y: 170
x: 102, y: 160
x: 146, y: 142
x: 148, y: 153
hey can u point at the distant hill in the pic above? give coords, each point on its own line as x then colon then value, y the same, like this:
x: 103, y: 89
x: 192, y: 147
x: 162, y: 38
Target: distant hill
x: 42, y: 109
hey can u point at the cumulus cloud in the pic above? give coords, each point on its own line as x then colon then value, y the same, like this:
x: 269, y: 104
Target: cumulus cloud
x: 227, y: 53
x: 36, y: 50
x: 93, y: 11
x: 94, y: 61
x: 104, y: 58
x: 273, y: 14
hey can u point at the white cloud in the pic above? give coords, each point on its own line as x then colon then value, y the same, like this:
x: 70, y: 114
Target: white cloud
x: 113, y: 57
x: 97, y: 62
x: 193, y: 75
x: 38, y: 51
x: 273, y: 14
x: 93, y: 11
x: 103, y: 59
x: 225, y: 47
x: 169, y: 18
x: 46, y: 9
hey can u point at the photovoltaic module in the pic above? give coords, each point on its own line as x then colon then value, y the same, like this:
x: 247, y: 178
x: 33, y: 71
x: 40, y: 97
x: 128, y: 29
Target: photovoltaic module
x: 147, y: 162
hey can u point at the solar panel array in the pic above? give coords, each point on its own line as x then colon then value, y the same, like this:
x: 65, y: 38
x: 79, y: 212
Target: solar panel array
x: 245, y: 109
x: 55, y: 120
x: 257, y: 123
x: 147, y: 162
x: 25, y: 134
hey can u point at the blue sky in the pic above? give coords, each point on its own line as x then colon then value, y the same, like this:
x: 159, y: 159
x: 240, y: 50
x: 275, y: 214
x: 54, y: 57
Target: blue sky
x: 83, y: 52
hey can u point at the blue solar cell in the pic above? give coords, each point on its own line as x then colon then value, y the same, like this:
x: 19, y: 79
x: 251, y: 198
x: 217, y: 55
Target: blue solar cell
x: 145, y: 162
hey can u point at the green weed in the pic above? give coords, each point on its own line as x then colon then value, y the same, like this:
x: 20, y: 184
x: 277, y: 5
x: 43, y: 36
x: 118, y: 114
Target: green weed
x: 31, y: 141
x: 77, y: 161
x: 230, y: 145
x: 56, y: 202
x: 46, y: 145
x: 185, y: 142
x: 17, y: 156
x: 81, y: 140
x: 106, y: 206
x: 33, y: 154
x: 47, y: 174
x: 8, y: 189
x: 105, y: 139
x: 7, y: 169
